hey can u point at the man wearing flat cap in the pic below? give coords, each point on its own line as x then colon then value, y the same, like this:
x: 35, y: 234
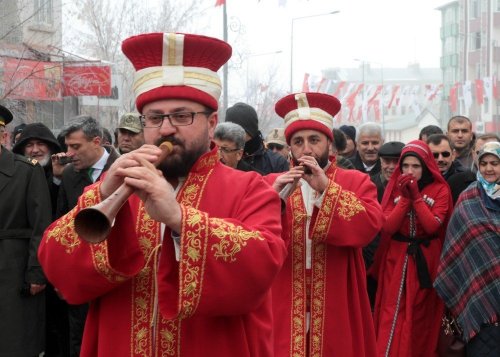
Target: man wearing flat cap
x: 130, y: 134
x: 187, y: 268
x: 276, y: 142
x: 388, y: 154
x: 5, y: 118
x: 320, y: 303
x: 24, y: 214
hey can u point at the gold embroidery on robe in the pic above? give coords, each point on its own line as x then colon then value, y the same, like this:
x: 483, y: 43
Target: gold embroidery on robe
x: 64, y: 230
x: 318, y: 300
x: 298, y: 298
x: 143, y: 287
x: 232, y: 239
x: 349, y: 205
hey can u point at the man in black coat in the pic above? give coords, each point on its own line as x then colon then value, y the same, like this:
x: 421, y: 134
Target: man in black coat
x: 255, y: 153
x: 457, y: 176
x: 89, y: 159
x: 24, y: 199
x: 37, y: 142
x: 369, y: 140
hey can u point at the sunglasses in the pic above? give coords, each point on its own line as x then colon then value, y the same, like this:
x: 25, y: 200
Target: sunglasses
x: 445, y: 154
x: 273, y: 146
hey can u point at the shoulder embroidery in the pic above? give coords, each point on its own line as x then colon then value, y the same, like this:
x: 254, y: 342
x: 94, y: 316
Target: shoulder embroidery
x: 349, y: 205
x: 232, y: 239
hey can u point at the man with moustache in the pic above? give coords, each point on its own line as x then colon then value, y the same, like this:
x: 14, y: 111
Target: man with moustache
x: 369, y: 140
x: 187, y: 267
x: 320, y: 303
x: 389, y: 154
x: 130, y: 134
x: 457, y: 176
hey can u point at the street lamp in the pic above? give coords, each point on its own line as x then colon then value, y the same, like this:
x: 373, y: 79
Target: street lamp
x: 291, y: 41
x: 251, y: 55
x: 363, y: 64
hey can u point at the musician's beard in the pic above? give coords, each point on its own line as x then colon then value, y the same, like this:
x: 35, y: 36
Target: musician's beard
x: 322, y: 162
x: 178, y: 164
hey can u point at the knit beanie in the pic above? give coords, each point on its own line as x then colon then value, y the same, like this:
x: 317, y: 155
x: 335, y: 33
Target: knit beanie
x: 245, y: 116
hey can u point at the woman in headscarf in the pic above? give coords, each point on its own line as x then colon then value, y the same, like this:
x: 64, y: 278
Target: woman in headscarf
x: 468, y: 278
x: 417, y: 204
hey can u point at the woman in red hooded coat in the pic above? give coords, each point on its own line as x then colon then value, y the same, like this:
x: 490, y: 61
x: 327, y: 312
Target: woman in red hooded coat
x: 417, y: 205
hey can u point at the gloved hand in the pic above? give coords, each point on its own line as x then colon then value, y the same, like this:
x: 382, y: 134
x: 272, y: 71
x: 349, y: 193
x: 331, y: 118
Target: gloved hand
x: 402, y: 183
x: 413, y: 189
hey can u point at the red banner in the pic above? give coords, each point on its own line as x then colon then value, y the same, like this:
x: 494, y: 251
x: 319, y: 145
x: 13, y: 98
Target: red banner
x: 32, y: 80
x: 87, y: 80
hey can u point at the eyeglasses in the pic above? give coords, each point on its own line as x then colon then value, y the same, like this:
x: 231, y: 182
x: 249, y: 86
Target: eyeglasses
x: 445, y: 154
x: 155, y: 120
x: 274, y: 146
x: 226, y: 150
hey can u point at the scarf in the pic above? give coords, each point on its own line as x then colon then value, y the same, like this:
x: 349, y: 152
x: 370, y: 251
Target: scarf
x: 468, y: 278
x: 492, y: 189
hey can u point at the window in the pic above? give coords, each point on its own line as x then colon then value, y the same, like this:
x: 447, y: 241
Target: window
x: 476, y: 40
x: 43, y: 11
x: 474, y: 9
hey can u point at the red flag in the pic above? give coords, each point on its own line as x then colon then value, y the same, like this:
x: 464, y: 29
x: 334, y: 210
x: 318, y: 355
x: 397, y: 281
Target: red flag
x: 393, y: 96
x: 377, y: 92
x: 479, y: 91
x: 305, y: 83
x: 495, y: 88
x: 453, y: 98
x: 376, y: 108
x: 339, y: 88
x: 220, y: 2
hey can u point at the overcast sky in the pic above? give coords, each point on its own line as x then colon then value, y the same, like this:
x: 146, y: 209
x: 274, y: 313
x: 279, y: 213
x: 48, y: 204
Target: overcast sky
x: 389, y: 32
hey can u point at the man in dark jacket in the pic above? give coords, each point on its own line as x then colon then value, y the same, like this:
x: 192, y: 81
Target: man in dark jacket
x: 255, y: 153
x: 89, y: 159
x: 37, y: 142
x: 369, y: 140
x: 24, y: 199
x: 457, y: 176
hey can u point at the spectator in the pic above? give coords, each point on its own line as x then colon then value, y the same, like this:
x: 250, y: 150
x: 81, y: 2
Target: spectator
x: 37, y: 142
x: 461, y: 138
x: 428, y: 131
x: 130, y: 133
x: 25, y: 213
x: 339, y: 144
x: 16, y: 133
x: 106, y: 137
x: 157, y: 284
x: 478, y: 145
x: 369, y: 140
x: 319, y: 298
x: 350, y: 149
x: 389, y: 154
x: 454, y: 173
x: 276, y: 142
x: 417, y: 204
x: 468, y: 278
x: 230, y: 140
x: 83, y: 136
x: 255, y: 153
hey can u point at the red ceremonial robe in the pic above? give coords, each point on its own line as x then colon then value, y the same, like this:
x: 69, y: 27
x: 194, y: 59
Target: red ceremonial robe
x: 143, y: 302
x: 419, y: 312
x: 340, y: 318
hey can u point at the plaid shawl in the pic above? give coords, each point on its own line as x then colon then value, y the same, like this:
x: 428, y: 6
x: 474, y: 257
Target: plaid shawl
x: 468, y: 278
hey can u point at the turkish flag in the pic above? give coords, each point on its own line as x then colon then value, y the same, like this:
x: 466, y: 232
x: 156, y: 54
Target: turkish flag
x: 339, y: 88
x: 495, y: 88
x: 305, y: 83
x: 479, y: 91
x: 220, y: 2
x: 453, y: 98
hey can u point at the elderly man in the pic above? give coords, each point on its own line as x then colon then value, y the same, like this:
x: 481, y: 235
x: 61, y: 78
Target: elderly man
x: 188, y: 264
x: 24, y: 214
x: 130, y: 134
x: 389, y: 154
x: 230, y: 140
x: 320, y: 303
x: 369, y: 140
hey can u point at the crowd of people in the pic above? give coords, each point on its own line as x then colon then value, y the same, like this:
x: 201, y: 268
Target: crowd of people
x: 309, y: 241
